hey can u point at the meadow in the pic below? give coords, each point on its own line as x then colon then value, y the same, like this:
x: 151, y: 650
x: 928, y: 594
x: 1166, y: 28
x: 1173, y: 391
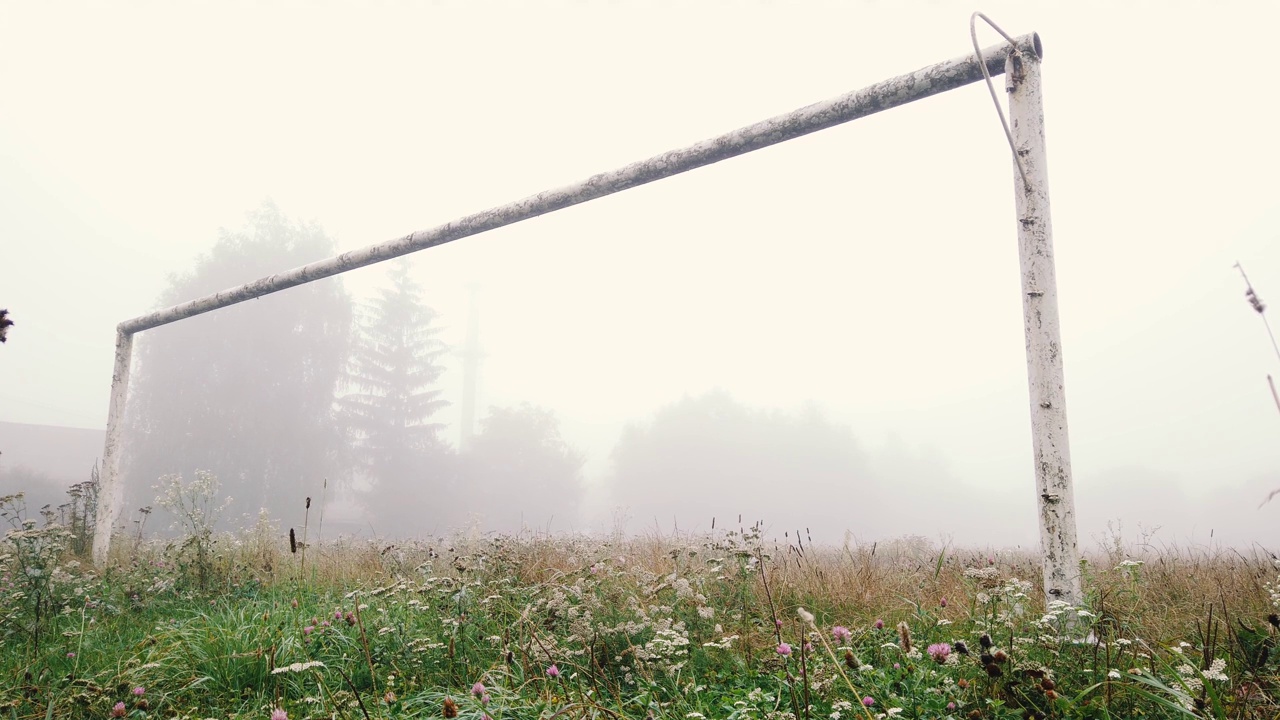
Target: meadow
x: 264, y: 623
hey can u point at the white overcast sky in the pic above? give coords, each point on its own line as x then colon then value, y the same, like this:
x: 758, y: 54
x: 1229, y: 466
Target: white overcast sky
x: 870, y: 268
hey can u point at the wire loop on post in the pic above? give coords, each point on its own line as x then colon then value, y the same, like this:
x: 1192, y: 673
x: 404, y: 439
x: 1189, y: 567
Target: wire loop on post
x: 982, y: 63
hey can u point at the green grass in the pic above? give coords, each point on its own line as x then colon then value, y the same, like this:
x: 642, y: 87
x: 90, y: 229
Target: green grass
x: 683, y: 628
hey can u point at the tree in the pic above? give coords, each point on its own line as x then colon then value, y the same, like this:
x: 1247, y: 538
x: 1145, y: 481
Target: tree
x: 519, y: 472
x: 392, y: 376
x: 245, y: 392
x: 712, y: 457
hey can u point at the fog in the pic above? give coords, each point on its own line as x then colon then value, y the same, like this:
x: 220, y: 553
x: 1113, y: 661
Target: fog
x: 824, y: 336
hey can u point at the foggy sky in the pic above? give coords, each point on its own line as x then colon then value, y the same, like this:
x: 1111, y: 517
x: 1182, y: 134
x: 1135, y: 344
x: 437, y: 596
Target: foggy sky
x: 871, y: 268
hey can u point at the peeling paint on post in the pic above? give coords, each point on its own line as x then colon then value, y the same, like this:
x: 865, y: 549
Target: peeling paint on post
x: 111, y: 494
x: 1050, y: 448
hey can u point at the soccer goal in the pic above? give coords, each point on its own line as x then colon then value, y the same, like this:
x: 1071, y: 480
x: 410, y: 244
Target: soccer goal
x: 1018, y: 60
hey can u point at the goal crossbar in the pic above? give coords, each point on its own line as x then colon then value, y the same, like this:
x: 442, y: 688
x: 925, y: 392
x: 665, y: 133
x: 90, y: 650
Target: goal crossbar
x: 925, y: 82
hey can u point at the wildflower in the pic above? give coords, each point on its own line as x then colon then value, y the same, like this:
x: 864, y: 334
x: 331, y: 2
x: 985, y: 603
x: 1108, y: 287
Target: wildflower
x: 389, y: 698
x: 294, y: 603
x: 985, y: 641
x: 778, y: 623
x: 449, y: 709
x: 308, y: 629
x: 139, y: 691
x: 484, y: 699
x: 939, y: 652
x: 943, y: 602
x: 477, y: 689
x: 1215, y: 671
x: 951, y: 707
x: 879, y: 624
x: 783, y: 649
x: 961, y: 647
x: 841, y: 633
x: 71, y: 655
x: 337, y: 614
x: 118, y: 710
x: 868, y: 701
x: 1114, y: 674
x: 553, y: 671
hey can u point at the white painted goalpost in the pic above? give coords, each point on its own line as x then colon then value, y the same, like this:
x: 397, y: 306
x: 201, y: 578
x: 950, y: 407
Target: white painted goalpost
x: 1019, y: 60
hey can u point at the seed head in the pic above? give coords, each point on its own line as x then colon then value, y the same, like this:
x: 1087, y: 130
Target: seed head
x: 904, y: 634
x: 1258, y: 306
x: 449, y: 709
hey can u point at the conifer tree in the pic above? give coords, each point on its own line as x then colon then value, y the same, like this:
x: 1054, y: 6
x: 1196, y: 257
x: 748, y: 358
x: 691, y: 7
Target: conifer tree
x: 394, y: 369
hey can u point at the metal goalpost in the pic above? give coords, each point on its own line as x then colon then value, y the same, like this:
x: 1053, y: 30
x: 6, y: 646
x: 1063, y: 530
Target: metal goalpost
x: 1018, y: 60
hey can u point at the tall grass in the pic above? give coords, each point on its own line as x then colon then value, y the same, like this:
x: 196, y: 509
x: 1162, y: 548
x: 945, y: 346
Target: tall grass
x: 689, y: 626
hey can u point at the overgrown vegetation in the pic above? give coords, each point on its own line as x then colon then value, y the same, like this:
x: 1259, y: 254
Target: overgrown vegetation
x: 719, y: 626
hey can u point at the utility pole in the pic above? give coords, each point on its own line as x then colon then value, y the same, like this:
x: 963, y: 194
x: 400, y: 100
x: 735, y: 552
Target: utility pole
x: 470, y: 370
